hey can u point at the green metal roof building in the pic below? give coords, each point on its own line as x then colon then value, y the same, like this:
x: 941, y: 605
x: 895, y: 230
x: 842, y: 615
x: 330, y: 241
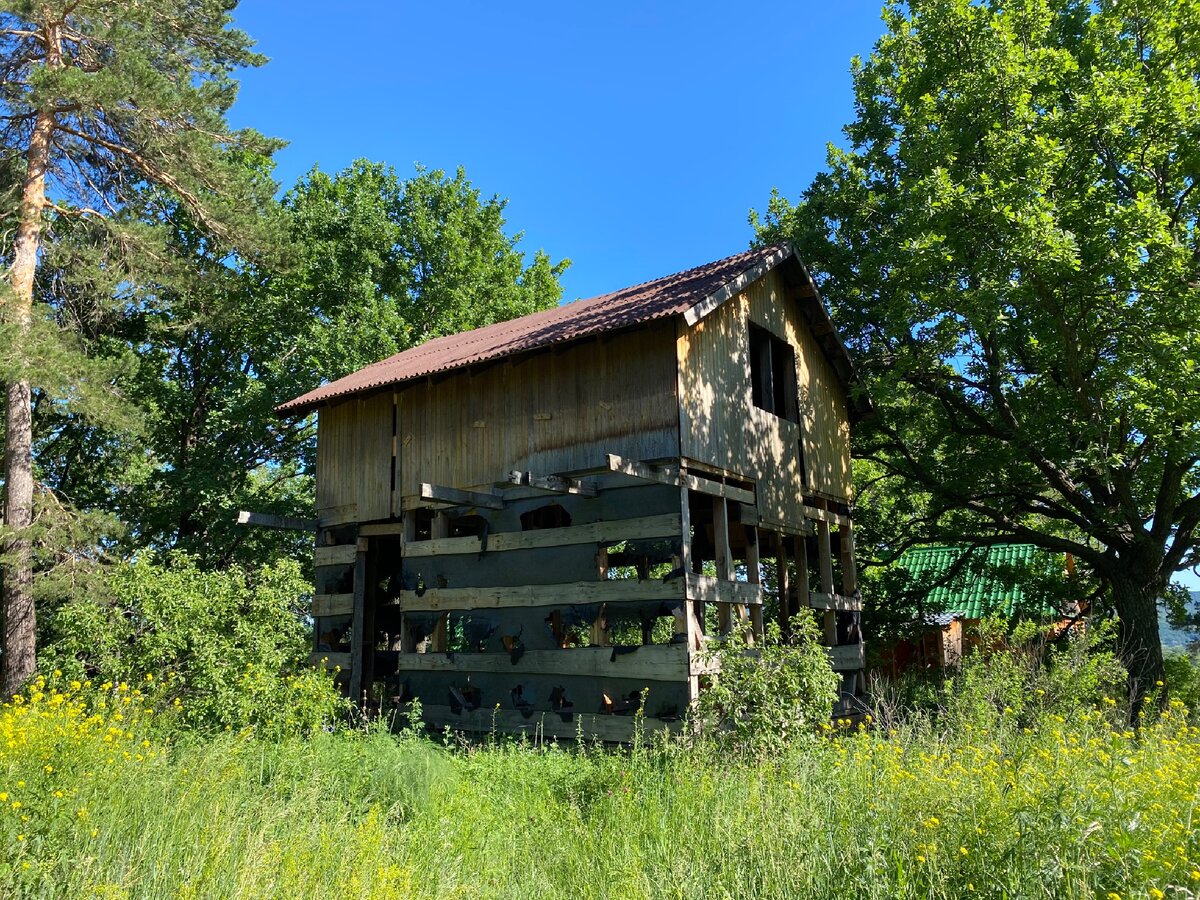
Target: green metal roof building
x: 978, y: 590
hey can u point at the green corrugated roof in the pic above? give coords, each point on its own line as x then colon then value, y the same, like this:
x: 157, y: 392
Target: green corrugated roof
x: 977, y: 589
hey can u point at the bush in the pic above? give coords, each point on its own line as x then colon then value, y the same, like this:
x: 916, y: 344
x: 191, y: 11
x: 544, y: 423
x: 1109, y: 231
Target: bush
x: 222, y: 649
x: 764, y: 699
x: 1183, y: 679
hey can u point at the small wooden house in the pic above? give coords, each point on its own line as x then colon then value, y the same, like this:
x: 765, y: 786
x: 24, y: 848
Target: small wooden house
x: 538, y: 524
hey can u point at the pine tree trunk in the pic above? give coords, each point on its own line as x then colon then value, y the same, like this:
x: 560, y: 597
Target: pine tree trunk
x: 1136, y: 603
x: 16, y: 591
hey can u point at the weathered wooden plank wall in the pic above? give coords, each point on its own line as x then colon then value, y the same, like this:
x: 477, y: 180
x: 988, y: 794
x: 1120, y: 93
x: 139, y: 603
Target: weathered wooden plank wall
x: 720, y: 425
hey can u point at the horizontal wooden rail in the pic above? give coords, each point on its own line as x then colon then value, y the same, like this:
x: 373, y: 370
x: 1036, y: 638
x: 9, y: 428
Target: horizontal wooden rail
x: 825, y: 515
x: 715, y: 590
x: 339, y: 555
x: 652, y: 663
x: 846, y: 658
x: 333, y: 604
x: 611, y: 531
x: 569, y: 594
x: 818, y: 600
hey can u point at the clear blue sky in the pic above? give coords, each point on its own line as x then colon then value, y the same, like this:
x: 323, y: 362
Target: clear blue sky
x: 632, y: 139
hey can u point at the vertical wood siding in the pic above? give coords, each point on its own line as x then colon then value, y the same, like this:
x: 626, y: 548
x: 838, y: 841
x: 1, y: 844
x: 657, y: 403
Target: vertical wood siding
x: 720, y: 425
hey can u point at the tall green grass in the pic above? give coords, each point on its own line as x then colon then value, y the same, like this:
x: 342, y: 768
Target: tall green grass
x: 1074, y: 807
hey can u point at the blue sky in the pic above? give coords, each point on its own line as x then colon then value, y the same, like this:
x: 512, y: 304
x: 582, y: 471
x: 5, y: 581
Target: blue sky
x: 632, y: 139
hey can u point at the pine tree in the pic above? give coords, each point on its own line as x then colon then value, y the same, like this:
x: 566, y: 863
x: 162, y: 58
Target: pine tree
x: 102, y: 103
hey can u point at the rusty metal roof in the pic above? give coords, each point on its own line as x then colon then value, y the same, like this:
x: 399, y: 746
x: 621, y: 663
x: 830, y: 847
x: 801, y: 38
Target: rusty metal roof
x: 673, y: 295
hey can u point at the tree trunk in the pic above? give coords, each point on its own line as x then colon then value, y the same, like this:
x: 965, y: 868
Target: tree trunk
x: 20, y: 624
x: 1136, y: 603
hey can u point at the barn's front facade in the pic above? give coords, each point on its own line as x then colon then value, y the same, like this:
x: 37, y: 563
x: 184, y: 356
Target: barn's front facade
x: 538, y: 525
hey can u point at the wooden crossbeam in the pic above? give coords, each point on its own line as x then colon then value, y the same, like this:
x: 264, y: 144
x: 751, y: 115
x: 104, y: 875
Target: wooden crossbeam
x: 553, y: 483
x: 266, y: 520
x: 637, y: 469
x: 436, y: 493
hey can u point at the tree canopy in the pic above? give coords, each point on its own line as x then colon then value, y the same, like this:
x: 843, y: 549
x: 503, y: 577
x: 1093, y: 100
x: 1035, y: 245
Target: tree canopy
x: 1009, y: 242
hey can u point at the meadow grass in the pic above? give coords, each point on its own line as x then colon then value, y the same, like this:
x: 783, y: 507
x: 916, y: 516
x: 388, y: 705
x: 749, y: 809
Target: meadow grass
x: 97, y: 801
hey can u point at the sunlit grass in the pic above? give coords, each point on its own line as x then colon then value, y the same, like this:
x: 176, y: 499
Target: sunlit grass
x: 93, y: 802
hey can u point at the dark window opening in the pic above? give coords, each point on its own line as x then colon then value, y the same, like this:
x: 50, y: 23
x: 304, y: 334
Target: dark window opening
x: 773, y: 374
x: 551, y: 516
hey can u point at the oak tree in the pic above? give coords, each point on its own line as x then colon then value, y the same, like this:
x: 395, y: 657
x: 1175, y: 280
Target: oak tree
x: 1009, y: 239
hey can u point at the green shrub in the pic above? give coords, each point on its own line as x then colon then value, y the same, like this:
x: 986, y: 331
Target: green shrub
x: 1019, y: 679
x: 1183, y: 679
x: 220, y: 649
x: 764, y: 699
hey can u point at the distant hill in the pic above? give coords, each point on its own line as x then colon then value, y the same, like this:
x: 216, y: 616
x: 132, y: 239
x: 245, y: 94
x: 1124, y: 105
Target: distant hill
x: 1176, y: 638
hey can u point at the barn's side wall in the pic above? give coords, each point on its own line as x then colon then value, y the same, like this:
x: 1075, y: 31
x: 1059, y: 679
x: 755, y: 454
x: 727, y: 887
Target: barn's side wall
x: 553, y: 411
x: 721, y: 426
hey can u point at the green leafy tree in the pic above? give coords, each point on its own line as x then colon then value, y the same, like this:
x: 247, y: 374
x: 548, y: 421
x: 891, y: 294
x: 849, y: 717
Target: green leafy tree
x: 388, y: 263
x: 101, y: 101
x: 1009, y: 242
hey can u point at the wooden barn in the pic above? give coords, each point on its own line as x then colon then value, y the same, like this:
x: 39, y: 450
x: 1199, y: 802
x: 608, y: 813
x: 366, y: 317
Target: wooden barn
x: 537, y: 525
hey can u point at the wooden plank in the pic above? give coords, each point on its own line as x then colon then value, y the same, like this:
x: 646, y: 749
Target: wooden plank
x: 333, y: 604
x: 635, y: 469
x: 330, y: 660
x: 436, y: 493
x: 553, y: 483
x: 707, y: 589
x: 266, y: 520
x: 338, y: 555
x: 849, y: 572
x: 754, y: 575
x: 611, y: 531
x: 724, y: 559
x: 782, y: 576
x: 654, y: 663
x: 337, y: 515
x: 826, y: 515
x: 717, y: 489
x: 825, y: 566
x: 569, y: 594
x: 818, y: 600
x: 359, y: 646
x: 614, y: 729
x: 382, y: 529
x: 846, y: 658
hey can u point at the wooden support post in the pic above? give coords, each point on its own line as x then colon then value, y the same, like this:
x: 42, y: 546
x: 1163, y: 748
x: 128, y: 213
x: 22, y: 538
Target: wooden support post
x: 361, y: 642
x: 724, y: 560
x: 825, y: 551
x: 849, y: 573
x: 781, y: 579
x: 440, y: 528
x: 754, y: 576
x: 801, y: 588
x: 600, y: 629
x: 692, y: 621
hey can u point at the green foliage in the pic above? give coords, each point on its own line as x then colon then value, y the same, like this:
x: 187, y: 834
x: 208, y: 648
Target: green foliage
x: 1013, y: 679
x: 387, y: 264
x: 216, y: 649
x: 1009, y: 244
x: 1183, y: 680
x: 766, y: 699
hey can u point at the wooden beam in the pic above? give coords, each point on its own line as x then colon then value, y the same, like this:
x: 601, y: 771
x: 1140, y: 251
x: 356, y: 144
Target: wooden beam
x: 818, y: 600
x: 849, y: 572
x: 847, y: 657
x: 359, y: 643
x: 635, y: 469
x: 717, y: 489
x: 553, y: 483
x: 825, y: 565
x: 612, y: 531
x: 707, y: 589
x: 754, y: 576
x: 802, y: 588
x: 266, y: 520
x: 338, y: 555
x: 659, y: 662
x: 532, y: 595
x: 826, y: 515
x: 724, y: 560
x: 436, y: 493
x: 337, y: 515
x: 333, y: 604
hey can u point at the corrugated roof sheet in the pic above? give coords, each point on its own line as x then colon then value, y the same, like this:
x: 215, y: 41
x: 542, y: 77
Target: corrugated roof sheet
x: 976, y: 591
x: 663, y: 297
